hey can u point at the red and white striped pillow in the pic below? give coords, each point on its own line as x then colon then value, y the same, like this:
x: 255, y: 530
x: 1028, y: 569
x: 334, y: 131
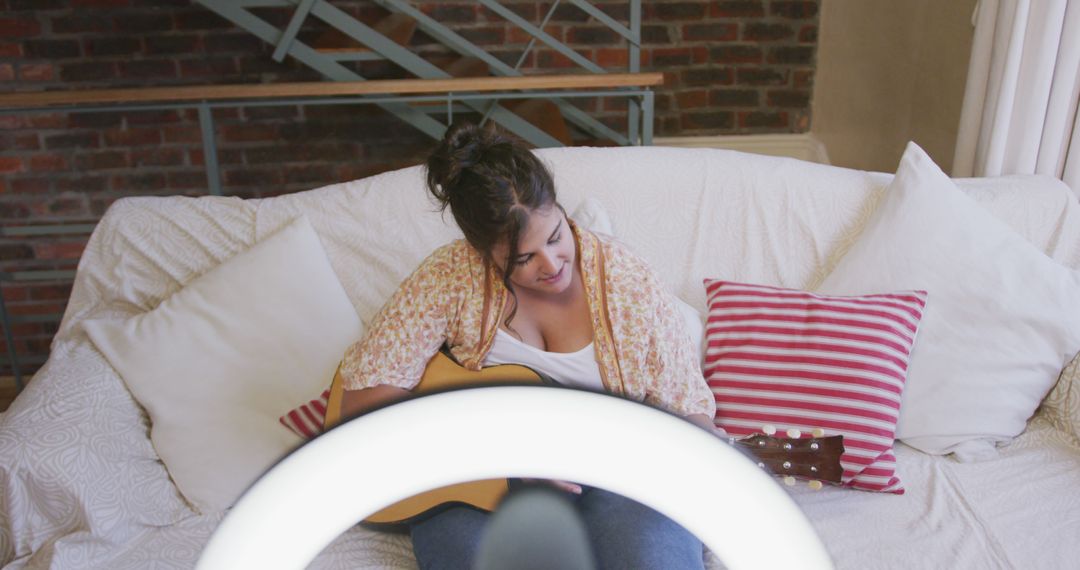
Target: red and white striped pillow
x: 795, y: 359
x: 307, y: 420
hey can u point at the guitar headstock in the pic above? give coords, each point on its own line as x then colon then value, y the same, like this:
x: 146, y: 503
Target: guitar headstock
x: 816, y: 457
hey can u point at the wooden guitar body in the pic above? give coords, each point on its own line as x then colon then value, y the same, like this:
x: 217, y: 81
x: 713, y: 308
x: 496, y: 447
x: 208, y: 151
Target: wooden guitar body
x: 816, y: 458
x: 442, y: 374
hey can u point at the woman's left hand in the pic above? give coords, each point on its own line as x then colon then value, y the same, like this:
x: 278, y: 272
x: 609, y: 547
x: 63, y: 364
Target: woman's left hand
x: 706, y: 423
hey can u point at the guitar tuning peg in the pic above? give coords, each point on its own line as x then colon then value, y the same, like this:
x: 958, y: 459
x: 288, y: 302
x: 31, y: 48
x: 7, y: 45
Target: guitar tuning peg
x: 794, y: 433
x: 768, y: 429
x: 818, y: 432
x: 815, y: 485
x: 789, y: 481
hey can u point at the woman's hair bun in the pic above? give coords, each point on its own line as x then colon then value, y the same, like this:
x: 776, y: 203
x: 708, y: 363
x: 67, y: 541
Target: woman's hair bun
x: 462, y: 147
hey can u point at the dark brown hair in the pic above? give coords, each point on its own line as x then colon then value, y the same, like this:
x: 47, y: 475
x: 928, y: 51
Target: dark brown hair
x: 491, y: 182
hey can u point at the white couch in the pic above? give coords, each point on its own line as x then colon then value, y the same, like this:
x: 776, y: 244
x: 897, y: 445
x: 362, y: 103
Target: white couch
x: 82, y: 486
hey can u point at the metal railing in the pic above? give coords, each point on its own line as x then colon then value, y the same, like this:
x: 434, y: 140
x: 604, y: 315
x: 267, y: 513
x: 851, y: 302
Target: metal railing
x: 451, y: 91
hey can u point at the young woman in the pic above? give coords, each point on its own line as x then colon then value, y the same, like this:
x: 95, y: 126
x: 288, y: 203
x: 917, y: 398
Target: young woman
x: 527, y: 286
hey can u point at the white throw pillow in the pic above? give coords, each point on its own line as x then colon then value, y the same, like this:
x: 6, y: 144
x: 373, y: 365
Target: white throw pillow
x: 218, y: 362
x: 1001, y: 322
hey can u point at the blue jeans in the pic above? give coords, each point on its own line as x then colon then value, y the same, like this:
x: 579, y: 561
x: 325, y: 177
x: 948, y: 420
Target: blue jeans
x: 623, y: 534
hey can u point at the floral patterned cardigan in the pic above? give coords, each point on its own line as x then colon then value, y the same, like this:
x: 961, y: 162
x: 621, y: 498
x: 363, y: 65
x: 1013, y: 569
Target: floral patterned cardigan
x: 455, y: 298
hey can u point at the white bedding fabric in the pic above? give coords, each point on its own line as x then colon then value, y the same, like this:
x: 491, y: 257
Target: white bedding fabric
x: 81, y: 485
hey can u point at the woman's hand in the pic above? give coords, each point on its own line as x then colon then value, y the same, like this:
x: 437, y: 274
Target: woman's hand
x: 706, y: 423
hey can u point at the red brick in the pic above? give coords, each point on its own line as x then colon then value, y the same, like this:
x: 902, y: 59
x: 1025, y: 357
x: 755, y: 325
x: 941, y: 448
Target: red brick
x: 14, y: 210
x: 612, y: 57
x: 52, y: 49
x: 766, y: 32
x: 517, y: 36
x: 11, y: 252
x: 10, y: 50
x: 36, y: 72
x: 736, y: 53
x: 157, y: 156
x: 711, y: 120
x: 248, y: 133
x: 759, y: 119
x: 591, y: 35
x: 52, y: 292
x: 186, y: 179
x: 448, y: 12
x: 136, y: 23
x: 151, y: 117
x: 808, y: 34
x: 72, y: 140
x: 95, y: 120
x: 799, y: 99
x: 12, y: 122
x: 484, y: 36
x: 64, y: 206
x: 803, y: 79
x: 210, y: 68
x: 793, y: 55
x: 738, y: 9
x: 693, y: 99
x: 132, y: 137
x: 88, y: 71
x: 181, y: 134
x: 16, y: 292
x: 707, y: 76
x: 19, y: 27
x: 47, y: 121
x: 619, y: 104
x: 10, y: 164
x: 201, y: 20
x: 80, y: 184
x: 716, y: 32
x: 102, y: 160
x: 27, y: 141
x: 681, y: 11
x: 148, y: 69
x: 100, y: 3
x: 762, y: 76
x: 139, y: 182
x: 7, y: 72
x: 669, y: 57
x: 236, y: 156
x: 47, y: 163
x: 30, y: 185
x: 81, y: 23
x: 62, y: 250
x: 252, y: 177
x: 798, y: 10
x: 553, y: 60
x: 734, y: 98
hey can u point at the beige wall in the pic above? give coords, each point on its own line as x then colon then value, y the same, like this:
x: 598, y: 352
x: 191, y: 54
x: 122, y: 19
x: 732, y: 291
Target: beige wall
x: 889, y: 71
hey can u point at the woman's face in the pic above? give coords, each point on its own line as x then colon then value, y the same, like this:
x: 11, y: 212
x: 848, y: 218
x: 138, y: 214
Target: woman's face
x: 545, y: 259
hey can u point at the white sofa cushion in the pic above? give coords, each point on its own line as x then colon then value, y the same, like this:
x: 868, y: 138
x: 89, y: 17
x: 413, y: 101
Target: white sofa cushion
x: 215, y: 364
x: 1002, y: 321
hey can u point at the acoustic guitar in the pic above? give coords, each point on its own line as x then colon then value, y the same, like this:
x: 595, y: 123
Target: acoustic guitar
x: 814, y: 458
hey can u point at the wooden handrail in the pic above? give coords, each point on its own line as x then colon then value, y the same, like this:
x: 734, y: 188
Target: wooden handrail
x: 196, y: 93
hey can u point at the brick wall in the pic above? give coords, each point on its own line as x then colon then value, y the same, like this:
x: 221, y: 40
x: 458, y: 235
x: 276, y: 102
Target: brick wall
x: 742, y: 66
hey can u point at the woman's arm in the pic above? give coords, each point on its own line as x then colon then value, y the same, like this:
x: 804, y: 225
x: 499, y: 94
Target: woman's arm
x: 356, y: 402
x: 706, y: 422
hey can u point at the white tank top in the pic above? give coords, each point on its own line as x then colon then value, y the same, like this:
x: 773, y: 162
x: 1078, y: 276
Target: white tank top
x: 573, y: 369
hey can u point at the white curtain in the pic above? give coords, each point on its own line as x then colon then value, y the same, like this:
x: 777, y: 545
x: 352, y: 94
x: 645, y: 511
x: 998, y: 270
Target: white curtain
x: 1023, y: 87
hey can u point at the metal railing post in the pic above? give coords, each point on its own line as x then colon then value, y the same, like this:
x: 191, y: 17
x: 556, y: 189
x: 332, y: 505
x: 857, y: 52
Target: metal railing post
x: 210, y: 159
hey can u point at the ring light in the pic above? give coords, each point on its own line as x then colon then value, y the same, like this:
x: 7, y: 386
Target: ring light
x: 322, y: 489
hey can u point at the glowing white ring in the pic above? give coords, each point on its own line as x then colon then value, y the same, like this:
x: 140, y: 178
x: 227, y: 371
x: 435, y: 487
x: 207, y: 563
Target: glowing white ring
x: 312, y: 496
